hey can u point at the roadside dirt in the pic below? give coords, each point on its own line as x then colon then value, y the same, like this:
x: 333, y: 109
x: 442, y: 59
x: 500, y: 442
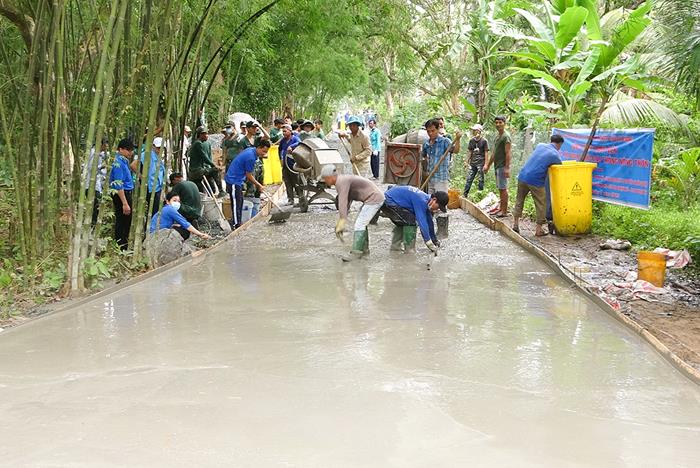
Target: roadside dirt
x: 672, y: 316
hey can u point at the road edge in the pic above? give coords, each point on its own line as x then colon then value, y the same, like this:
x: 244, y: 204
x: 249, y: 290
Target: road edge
x: 496, y: 225
x: 198, y: 255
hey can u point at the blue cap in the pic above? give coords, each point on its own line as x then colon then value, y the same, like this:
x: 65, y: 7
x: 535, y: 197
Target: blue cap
x: 355, y: 120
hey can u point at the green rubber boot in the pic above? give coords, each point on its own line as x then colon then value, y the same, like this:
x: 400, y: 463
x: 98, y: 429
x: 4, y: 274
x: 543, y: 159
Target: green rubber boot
x: 365, y: 246
x: 409, y: 238
x: 358, y: 245
x: 397, y: 239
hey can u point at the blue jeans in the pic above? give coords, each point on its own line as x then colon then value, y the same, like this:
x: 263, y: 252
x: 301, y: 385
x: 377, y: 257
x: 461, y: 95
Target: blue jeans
x: 476, y: 169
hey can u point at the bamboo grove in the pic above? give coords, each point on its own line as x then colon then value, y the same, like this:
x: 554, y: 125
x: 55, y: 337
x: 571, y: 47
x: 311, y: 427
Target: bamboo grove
x: 80, y: 73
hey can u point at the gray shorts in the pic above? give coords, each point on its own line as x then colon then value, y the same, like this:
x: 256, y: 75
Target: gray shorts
x: 501, y: 179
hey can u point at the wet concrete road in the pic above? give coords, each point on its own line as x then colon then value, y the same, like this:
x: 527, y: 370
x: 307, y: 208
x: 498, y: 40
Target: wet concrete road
x: 272, y: 353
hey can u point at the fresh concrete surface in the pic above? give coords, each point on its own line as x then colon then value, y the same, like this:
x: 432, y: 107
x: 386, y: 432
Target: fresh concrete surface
x: 271, y: 352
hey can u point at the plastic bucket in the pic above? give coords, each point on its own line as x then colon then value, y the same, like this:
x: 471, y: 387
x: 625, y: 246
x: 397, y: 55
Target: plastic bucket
x: 453, y: 202
x: 651, y: 267
x: 272, y: 166
x: 247, y: 212
x: 210, y: 212
x: 571, y: 187
x: 256, y: 205
x: 226, y: 208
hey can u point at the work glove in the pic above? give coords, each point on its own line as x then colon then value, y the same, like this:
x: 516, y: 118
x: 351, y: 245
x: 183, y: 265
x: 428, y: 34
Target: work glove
x: 431, y: 245
x: 340, y: 229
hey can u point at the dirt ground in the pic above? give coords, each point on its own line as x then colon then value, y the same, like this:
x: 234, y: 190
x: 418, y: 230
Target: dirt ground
x: 673, y: 316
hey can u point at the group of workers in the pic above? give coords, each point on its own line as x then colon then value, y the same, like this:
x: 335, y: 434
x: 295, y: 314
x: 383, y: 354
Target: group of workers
x: 244, y: 149
x: 531, y: 179
x: 411, y: 209
x: 407, y: 207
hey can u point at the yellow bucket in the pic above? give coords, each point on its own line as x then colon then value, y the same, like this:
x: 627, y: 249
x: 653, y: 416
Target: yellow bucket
x: 651, y: 267
x: 453, y: 202
x: 571, y: 187
x: 272, y: 166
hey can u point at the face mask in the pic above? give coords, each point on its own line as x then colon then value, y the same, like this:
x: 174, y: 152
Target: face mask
x: 176, y: 205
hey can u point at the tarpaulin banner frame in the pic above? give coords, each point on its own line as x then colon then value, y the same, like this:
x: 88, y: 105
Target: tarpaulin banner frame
x: 624, y: 158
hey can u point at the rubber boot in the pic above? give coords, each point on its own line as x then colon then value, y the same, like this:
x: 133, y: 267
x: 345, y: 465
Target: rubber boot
x: 358, y: 244
x: 409, y: 238
x: 397, y: 239
x: 365, y: 246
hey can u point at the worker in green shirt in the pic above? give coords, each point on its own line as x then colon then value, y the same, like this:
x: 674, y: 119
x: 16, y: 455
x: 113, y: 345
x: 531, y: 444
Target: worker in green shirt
x: 500, y: 159
x: 229, y: 145
x: 251, y: 136
x: 318, y: 129
x: 190, y: 198
x: 276, y: 131
x: 201, y: 164
x: 306, y: 130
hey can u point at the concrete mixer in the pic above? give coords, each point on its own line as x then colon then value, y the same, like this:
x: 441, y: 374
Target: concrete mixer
x: 309, y: 157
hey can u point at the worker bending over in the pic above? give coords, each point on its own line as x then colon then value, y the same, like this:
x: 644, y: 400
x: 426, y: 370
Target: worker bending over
x: 352, y: 188
x: 407, y: 207
x: 532, y: 180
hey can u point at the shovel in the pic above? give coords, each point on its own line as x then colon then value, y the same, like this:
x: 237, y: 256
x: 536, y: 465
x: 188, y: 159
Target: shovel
x: 354, y: 167
x: 223, y: 222
x: 277, y: 214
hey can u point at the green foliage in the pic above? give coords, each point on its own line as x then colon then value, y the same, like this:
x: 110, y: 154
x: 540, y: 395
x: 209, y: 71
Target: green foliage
x: 96, y: 270
x: 672, y: 227
x: 685, y: 175
x: 409, y: 116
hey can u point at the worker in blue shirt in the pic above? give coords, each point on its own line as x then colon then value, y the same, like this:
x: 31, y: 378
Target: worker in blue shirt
x: 288, y: 142
x: 407, y: 207
x: 170, y: 218
x: 434, y: 148
x: 241, y: 169
x: 122, y: 183
x: 375, y: 139
x: 156, y: 174
x: 532, y: 179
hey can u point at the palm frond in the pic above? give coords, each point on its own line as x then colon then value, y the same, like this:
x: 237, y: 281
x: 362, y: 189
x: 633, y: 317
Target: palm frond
x: 625, y: 110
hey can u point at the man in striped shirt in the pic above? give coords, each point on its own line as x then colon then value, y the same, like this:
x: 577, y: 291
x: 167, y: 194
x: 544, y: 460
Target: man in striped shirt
x: 433, y: 150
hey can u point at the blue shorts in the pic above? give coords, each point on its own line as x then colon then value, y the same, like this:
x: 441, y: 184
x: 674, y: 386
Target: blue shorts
x: 501, y: 179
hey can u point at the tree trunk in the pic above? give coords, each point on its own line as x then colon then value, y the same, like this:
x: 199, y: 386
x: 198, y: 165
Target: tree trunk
x: 601, y: 109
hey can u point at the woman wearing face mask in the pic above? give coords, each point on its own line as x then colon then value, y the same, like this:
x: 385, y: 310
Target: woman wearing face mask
x: 170, y: 218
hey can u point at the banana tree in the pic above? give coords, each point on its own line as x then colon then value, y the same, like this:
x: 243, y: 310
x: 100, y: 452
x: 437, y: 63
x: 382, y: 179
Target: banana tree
x: 571, y: 57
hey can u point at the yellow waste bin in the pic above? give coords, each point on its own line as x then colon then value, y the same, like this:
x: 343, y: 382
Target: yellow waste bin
x: 273, y: 168
x: 571, y: 188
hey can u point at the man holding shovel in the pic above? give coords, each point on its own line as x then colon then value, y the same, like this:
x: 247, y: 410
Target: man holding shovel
x: 360, y: 146
x: 352, y: 188
x: 436, y: 150
x: 241, y: 169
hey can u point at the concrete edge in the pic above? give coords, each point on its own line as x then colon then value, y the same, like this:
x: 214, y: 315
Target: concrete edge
x: 496, y: 225
x: 198, y: 255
